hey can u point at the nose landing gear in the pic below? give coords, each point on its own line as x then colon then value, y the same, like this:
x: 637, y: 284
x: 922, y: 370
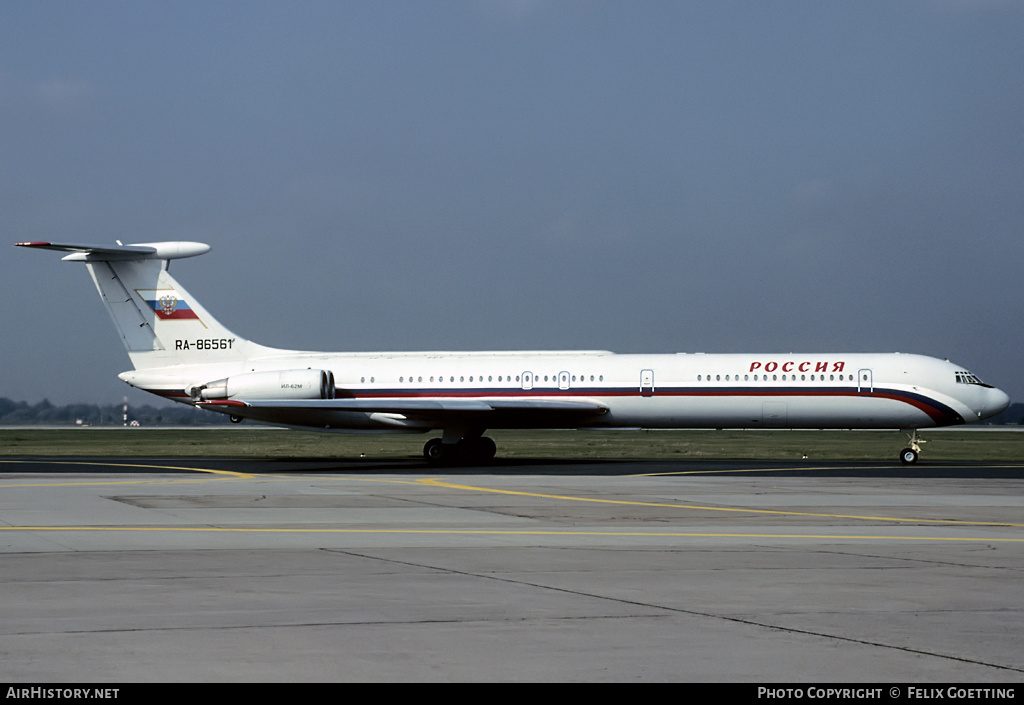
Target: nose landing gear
x: 908, y: 456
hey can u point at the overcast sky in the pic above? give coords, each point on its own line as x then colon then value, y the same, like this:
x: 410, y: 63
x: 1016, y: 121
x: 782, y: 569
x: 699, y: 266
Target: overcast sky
x: 520, y: 174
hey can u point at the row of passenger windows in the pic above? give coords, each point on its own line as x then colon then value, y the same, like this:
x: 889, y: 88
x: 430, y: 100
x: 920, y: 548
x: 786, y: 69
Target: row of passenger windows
x: 775, y: 378
x: 490, y: 378
x: 600, y: 378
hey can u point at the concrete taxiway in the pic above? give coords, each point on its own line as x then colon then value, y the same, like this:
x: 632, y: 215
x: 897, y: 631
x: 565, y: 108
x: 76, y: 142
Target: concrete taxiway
x: 173, y: 569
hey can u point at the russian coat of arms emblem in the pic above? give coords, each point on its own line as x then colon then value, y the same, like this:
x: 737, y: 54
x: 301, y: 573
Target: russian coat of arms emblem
x: 168, y: 303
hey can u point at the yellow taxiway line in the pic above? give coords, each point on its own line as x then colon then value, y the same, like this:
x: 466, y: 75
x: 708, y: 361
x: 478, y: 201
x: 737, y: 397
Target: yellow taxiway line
x: 744, y: 510
x: 434, y: 482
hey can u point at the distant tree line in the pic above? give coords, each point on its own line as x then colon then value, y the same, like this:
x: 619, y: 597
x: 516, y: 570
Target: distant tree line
x: 14, y: 413
x: 1013, y: 416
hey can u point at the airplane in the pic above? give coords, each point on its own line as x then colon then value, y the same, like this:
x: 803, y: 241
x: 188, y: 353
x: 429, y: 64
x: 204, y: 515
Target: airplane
x: 181, y: 352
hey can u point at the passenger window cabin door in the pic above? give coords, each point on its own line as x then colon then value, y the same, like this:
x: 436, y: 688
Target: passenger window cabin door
x: 865, y: 383
x: 563, y: 380
x: 647, y: 383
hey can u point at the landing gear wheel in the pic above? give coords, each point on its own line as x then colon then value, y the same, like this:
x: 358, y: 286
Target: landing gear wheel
x: 434, y: 451
x: 468, y: 450
x: 908, y: 456
x: 478, y: 450
x: 490, y: 449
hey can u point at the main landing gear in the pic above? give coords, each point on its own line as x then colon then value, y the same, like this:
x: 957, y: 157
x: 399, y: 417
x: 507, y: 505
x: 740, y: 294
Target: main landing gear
x: 908, y: 456
x: 465, y: 451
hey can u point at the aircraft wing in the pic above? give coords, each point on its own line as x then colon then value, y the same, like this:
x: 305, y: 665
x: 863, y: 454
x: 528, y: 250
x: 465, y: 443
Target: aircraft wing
x: 435, y: 412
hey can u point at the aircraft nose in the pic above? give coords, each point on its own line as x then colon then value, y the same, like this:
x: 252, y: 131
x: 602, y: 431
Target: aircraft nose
x: 996, y: 400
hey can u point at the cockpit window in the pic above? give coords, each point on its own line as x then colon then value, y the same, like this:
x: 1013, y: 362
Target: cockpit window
x: 964, y: 377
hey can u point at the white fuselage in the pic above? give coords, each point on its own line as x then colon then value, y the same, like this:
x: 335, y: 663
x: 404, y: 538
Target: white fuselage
x: 826, y: 390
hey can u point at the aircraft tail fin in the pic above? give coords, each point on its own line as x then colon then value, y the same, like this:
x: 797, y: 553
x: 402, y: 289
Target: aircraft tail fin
x: 159, y: 322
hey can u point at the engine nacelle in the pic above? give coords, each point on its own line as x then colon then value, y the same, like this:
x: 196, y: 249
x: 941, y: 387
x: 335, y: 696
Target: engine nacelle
x: 279, y: 384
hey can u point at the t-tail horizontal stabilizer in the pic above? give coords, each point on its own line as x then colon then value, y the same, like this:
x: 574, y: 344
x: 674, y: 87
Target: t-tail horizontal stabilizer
x: 144, y: 250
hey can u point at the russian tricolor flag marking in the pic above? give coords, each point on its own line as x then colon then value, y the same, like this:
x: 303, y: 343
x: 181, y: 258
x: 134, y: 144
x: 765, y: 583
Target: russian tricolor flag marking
x: 167, y: 305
